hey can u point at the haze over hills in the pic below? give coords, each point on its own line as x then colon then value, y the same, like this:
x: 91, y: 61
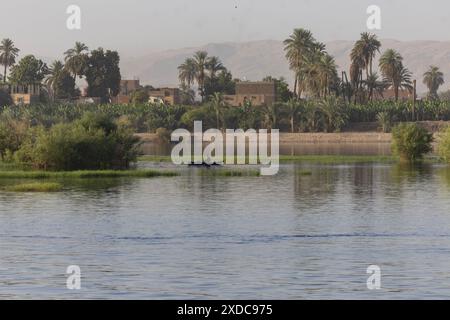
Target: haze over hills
x: 257, y: 59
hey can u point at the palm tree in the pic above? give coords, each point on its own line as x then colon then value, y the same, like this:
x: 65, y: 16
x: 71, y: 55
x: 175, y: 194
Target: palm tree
x: 293, y: 108
x: 297, y: 48
x: 365, y: 50
x: 201, y: 64
x: 374, y: 86
x: 76, y: 59
x: 213, y: 66
x: 187, y: 72
x: 332, y: 109
x: 199, y: 68
x: 433, y: 79
x: 393, y: 71
x: 8, y: 55
x: 55, y: 70
x: 217, y: 102
x: 327, y: 70
x: 187, y: 94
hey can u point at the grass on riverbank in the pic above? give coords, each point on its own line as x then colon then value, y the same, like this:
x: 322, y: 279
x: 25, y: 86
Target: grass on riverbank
x: 35, y: 187
x: 85, y: 174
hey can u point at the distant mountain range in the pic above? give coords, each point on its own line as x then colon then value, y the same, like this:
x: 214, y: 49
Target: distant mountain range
x: 257, y: 59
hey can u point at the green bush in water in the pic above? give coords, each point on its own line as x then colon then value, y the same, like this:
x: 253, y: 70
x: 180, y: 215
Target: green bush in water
x: 93, y: 142
x: 411, y: 142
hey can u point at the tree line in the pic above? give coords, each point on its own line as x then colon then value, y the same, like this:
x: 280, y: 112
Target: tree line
x: 99, y: 67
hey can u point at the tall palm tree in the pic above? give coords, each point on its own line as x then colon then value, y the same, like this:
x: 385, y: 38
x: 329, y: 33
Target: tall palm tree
x: 76, y: 59
x: 433, y: 79
x: 365, y: 50
x: 327, y: 73
x: 213, y: 66
x: 54, y: 71
x: 8, y: 55
x: 198, y: 69
x: 187, y: 72
x: 393, y: 71
x: 297, y: 48
x: 201, y: 64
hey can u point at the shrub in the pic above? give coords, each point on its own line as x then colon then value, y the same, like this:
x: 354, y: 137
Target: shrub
x: 411, y: 141
x: 94, y: 142
x: 12, y: 133
x: 444, y: 144
x: 384, y: 121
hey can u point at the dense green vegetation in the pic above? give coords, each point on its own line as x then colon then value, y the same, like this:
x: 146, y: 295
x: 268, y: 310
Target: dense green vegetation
x: 411, y: 142
x: 100, y: 69
x: 95, y: 141
x: 444, y: 145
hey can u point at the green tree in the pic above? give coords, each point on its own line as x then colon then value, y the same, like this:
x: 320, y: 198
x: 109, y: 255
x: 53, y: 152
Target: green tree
x: 29, y: 70
x: 223, y: 83
x: 201, y: 64
x: 203, y: 70
x: 60, y: 81
x: 187, y: 72
x: 214, y: 65
x: 433, y: 79
x: 297, y: 47
x: 334, y: 115
x: 393, y: 71
x: 365, y: 50
x: 187, y: 95
x: 8, y: 55
x: 103, y: 74
x: 76, y: 59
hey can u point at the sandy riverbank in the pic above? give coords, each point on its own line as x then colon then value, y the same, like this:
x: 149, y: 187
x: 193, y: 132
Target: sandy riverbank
x: 344, y: 137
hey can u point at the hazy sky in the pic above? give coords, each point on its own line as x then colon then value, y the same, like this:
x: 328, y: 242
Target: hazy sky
x: 135, y: 27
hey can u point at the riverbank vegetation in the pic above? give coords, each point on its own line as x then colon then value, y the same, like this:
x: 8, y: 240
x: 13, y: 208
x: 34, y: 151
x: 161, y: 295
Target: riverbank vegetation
x: 86, y: 174
x: 444, y: 145
x: 411, y: 142
x: 93, y: 142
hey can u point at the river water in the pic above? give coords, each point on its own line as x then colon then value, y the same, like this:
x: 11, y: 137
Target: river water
x: 309, y: 232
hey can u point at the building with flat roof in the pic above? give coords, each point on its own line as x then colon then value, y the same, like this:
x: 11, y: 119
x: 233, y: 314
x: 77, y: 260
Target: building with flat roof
x: 389, y: 94
x: 167, y: 95
x: 24, y: 94
x: 127, y: 87
x: 258, y: 93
